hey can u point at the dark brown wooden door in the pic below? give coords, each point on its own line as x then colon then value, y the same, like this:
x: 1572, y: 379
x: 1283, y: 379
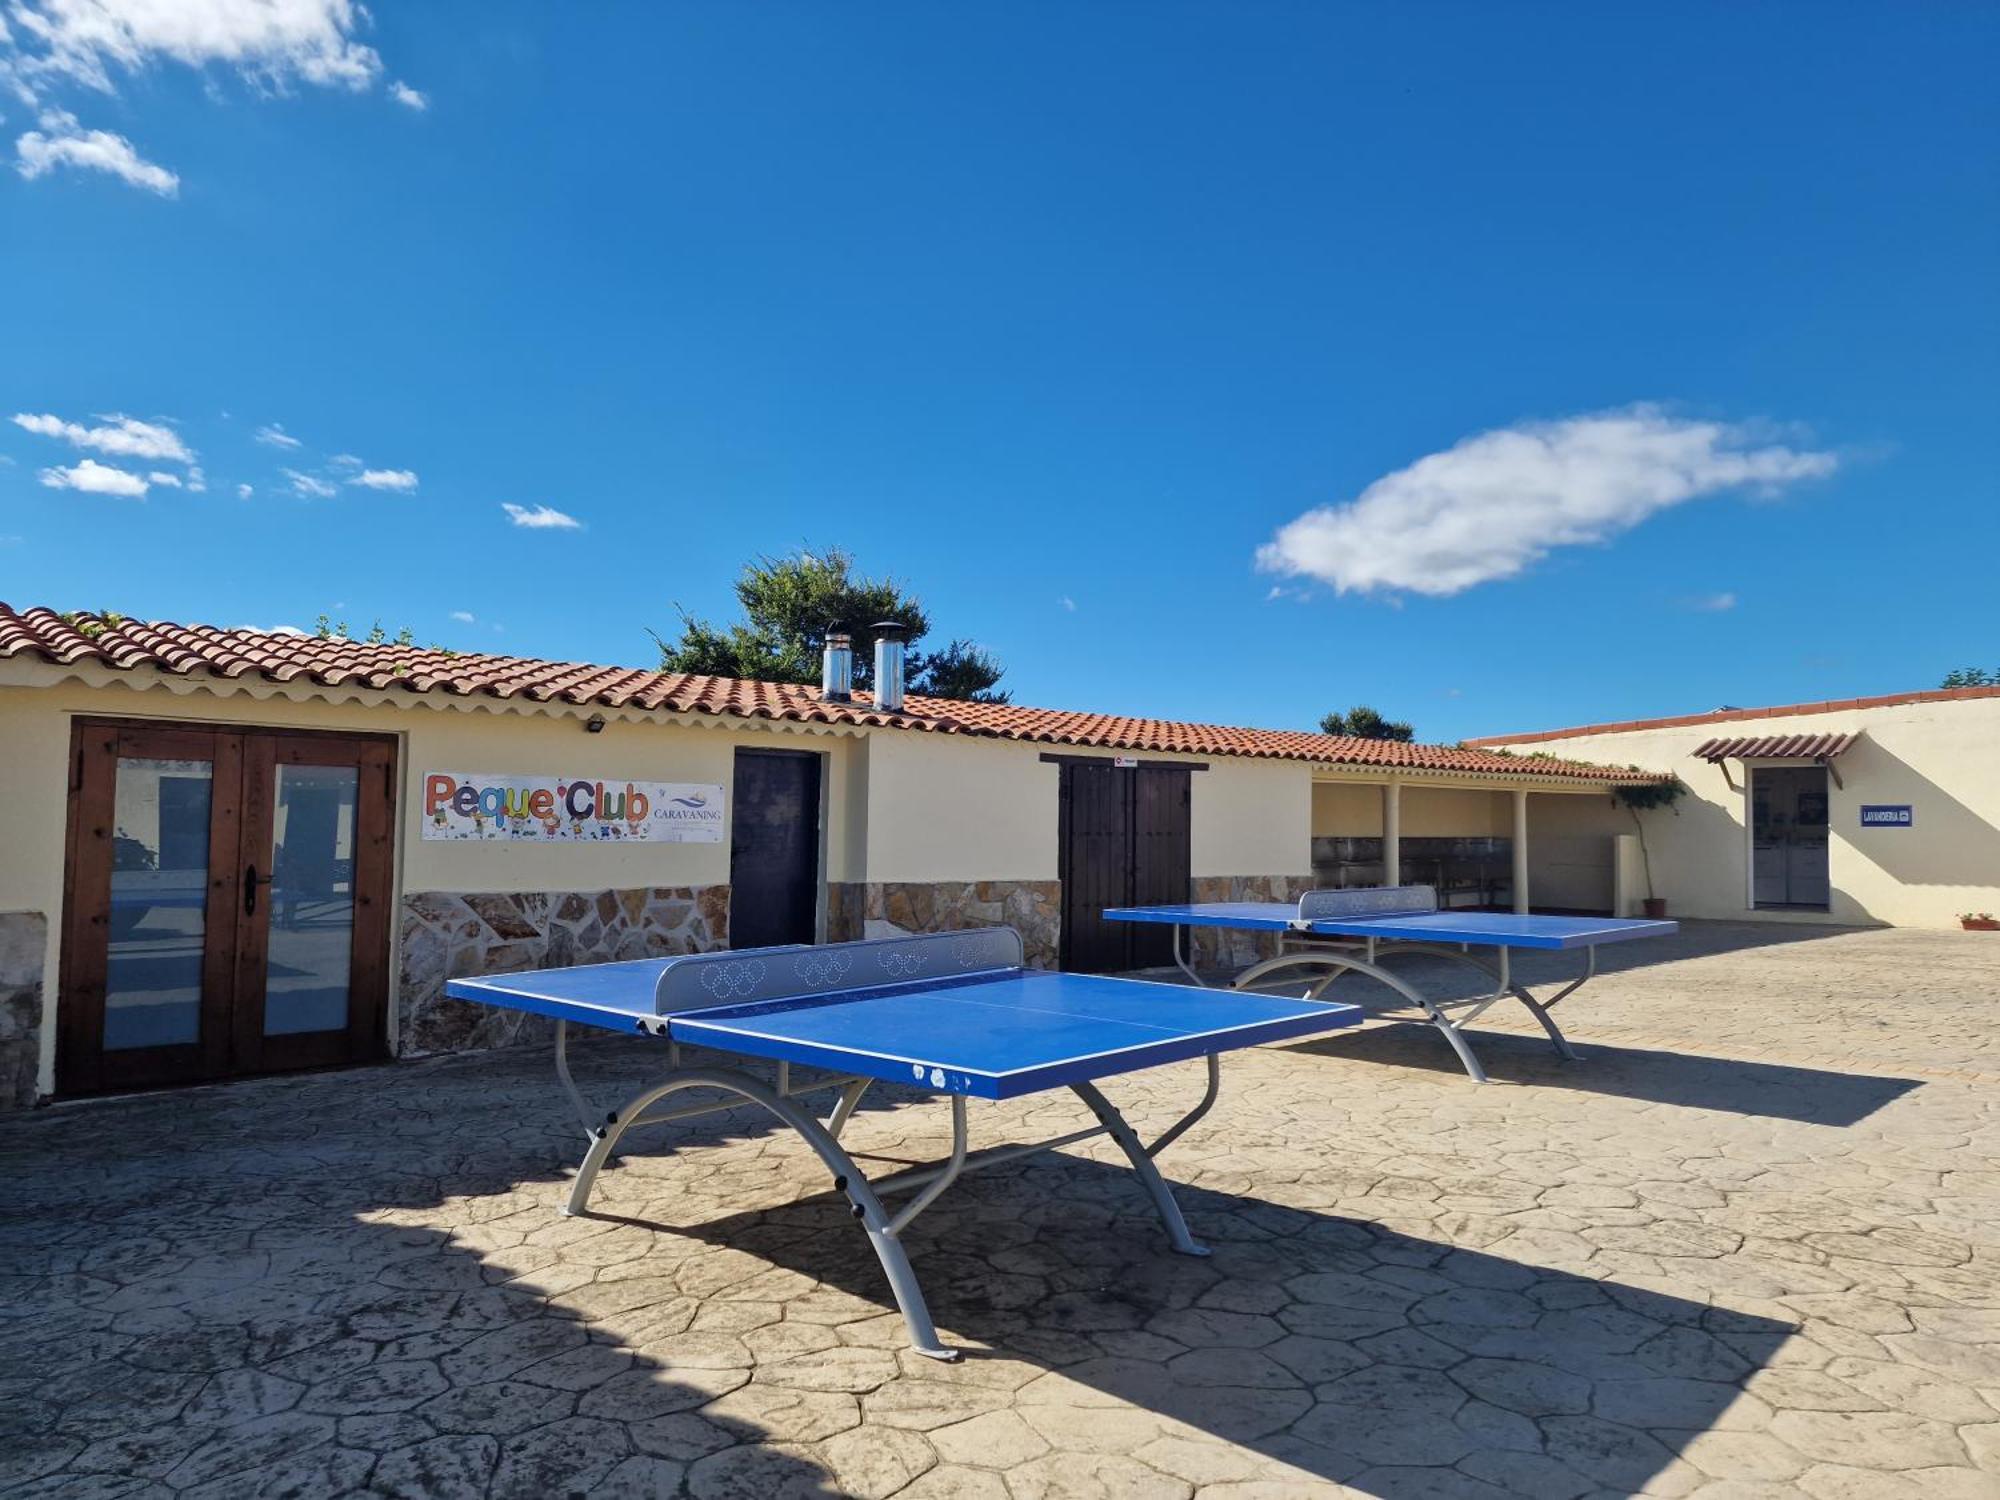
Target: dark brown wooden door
x: 774, y: 849
x: 228, y: 900
x: 1124, y: 840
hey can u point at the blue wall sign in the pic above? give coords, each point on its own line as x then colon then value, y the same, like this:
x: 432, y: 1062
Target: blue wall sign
x: 1886, y: 815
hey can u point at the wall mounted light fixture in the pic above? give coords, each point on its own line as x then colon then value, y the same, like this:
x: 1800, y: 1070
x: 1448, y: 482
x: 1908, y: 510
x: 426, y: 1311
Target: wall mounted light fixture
x: 594, y: 724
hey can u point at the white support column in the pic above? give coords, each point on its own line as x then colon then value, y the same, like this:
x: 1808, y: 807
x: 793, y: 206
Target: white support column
x: 1392, y: 832
x: 1520, y: 849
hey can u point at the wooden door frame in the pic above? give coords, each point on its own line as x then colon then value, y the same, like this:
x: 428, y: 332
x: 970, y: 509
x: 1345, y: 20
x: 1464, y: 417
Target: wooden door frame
x: 372, y: 879
x: 82, y: 1066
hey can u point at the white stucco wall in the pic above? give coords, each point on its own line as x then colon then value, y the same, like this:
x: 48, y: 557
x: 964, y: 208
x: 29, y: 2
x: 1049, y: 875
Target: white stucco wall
x: 1251, y: 817
x: 952, y: 807
x: 1941, y: 757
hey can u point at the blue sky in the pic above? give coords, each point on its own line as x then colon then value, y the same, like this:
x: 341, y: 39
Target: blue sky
x: 1501, y: 366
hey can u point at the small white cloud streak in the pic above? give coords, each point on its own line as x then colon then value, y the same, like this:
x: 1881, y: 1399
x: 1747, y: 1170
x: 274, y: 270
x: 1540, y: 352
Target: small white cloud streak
x: 541, y: 517
x: 275, y: 436
x: 120, y: 436
x: 244, y: 492
x: 1713, y: 604
x: 403, y: 480
x: 464, y: 617
x: 161, y: 476
x: 408, y: 97
x: 310, y: 485
x: 95, y: 478
x: 1068, y: 604
x: 1493, y: 505
x: 63, y: 142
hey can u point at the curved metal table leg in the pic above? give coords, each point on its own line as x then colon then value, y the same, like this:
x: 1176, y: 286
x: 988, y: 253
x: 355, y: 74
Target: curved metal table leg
x: 847, y: 1178
x: 843, y: 1111
x: 1135, y: 1152
x: 1504, y: 985
x: 1341, y: 963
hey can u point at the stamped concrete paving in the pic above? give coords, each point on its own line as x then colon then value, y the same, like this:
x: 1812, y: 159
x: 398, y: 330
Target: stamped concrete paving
x: 1751, y: 1247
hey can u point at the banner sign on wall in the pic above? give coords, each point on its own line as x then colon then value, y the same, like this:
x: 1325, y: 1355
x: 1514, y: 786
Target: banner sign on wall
x: 562, y: 810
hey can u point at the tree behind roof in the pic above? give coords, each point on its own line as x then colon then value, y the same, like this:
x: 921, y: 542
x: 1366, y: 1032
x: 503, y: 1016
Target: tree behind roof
x: 792, y: 604
x: 1362, y: 723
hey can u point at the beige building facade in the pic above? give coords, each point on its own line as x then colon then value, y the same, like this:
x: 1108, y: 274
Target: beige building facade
x: 942, y: 815
x: 1880, y: 810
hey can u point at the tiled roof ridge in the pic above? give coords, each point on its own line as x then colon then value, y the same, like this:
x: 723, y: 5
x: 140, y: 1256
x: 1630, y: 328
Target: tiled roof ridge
x: 1739, y: 715
x: 338, y: 662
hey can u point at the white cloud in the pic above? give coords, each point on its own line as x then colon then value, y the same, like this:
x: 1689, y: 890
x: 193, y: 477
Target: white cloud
x: 541, y: 517
x: 161, y: 476
x: 270, y: 42
x: 244, y: 492
x: 1495, y: 504
x: 346, y: 461
x: 1067, y: 603
x: 196, y: 480
x: 310, y: 485
x: 1712, y: 604
x: 125, y: 437
x: 95, y: 478
x: 403, y: 480
x: 63, y: 142
x: 464, y: 617
x: 408, y: 97
x: 275, y: 436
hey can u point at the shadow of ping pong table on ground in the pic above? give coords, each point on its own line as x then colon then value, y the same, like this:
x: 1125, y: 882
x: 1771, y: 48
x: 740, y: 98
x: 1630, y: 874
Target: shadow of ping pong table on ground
x: 1395, y: 1365
x: 1768, y: 1090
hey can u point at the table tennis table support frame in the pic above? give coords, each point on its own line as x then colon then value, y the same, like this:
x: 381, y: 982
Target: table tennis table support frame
x: 1341, y: 958
x: 865, y: 1197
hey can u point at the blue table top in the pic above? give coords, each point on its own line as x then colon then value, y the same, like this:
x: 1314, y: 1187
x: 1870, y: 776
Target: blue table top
x: 1483, y: 929
x: 994, y: 1036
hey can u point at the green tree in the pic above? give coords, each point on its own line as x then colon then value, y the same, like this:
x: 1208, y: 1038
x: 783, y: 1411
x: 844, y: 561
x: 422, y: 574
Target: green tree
x: 1362, y: 723
x: 792, y: 604
x: 1971, y: 677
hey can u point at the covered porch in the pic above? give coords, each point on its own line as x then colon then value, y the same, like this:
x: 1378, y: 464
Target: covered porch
x: 1500, y: 843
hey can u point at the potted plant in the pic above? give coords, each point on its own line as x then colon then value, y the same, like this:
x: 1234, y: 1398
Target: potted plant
x: 1978, y: 921
x: 1636, y: 799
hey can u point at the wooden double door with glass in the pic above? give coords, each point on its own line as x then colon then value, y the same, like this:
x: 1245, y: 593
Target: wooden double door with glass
x: 227, y: 903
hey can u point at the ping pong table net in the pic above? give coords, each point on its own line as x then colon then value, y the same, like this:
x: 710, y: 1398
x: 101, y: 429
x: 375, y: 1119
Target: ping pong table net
x: 1368, y: 901
x: 752, y: 976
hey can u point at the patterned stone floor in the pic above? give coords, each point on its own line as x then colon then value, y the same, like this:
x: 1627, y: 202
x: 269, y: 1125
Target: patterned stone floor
x: 1750, y: 1248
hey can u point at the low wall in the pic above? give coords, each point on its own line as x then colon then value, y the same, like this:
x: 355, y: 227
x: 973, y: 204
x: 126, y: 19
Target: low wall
x: 1225, y: 947
x: 24, y: 942
x: 886, y: 908
x: 450, y: 935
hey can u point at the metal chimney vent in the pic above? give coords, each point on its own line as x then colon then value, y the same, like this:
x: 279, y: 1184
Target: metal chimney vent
x: 836, y: 673
x: 888, y: 665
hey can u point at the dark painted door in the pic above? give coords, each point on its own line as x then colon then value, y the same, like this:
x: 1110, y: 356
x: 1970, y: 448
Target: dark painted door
x: 228, y: 901
x: 774, y: 849
x: 1123, y: 841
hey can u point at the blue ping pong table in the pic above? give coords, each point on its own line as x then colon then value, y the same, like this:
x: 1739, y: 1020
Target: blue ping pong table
x: 1339, y: 932
x: 954, y: 1013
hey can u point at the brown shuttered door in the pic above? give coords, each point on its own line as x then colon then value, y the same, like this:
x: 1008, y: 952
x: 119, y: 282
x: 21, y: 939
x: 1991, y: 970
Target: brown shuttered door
x: 1161, y: 857
x: 1124, y: 841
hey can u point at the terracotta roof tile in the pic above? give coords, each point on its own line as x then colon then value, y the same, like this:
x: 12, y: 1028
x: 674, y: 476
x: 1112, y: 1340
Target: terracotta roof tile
x: 189, y: 650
